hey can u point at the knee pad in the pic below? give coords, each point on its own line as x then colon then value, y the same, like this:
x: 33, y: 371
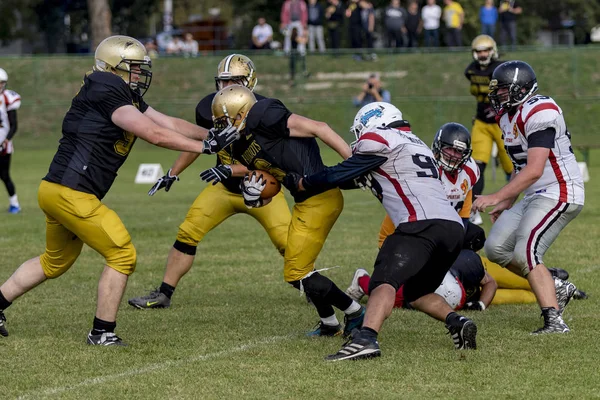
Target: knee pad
x: 124, y: 260
x: 188, y: 234
x: 519, y: 260
x: 315, y: 285
x: 496, y: 254
x: 53, y: 268
x: 380, y: 279
x: 185, y: 248
x: 474, y: 237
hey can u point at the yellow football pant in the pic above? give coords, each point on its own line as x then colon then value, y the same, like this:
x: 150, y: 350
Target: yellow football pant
x: 312, y: 220
x: 74, y: 218
x: 512, y: 288
x: 482, y: 137
x: 215, y: 204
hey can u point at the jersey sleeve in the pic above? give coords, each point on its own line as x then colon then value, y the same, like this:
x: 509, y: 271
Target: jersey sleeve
x: 540, y: 116
x: 371, y: 143
x: 108, y: 92
x: 13, y: 100
x: 269, y: 116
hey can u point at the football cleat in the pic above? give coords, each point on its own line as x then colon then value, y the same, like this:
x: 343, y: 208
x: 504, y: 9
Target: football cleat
x: 565, y: 291
x: 553, y: 322
x: 14, y: 209
x: 105, y: 339
x: 354, y: 290
x: 322, y: 329
x: 354, y: 321
x: 464, y: 334
x: 580, y: 295
x: 356, y: 348
x: 559, y: 273
x: 154, y: 299
x: 3, y: 331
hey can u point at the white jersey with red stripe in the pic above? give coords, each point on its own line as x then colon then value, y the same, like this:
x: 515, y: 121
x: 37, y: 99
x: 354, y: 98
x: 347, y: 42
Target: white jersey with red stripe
x: 561, y: 179
x: 409, y: 178
x: 9, y: 100
x: 459, y: 184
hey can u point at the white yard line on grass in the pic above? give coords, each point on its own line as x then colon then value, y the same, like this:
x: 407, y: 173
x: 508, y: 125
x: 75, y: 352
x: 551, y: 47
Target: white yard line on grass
x: 149, y: 368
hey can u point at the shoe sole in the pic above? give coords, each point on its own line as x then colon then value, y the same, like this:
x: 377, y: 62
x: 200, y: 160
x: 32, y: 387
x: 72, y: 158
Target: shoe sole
x: 361, y: 355
x: 469, y: 335
x: 141, y: 307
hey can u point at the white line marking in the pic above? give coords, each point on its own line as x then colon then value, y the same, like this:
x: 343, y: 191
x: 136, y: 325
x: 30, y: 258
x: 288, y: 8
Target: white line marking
x: 150, y: 368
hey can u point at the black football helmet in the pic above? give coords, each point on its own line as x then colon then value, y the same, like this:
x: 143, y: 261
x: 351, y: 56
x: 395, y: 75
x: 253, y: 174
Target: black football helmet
x: 519, y: 80
x: 452, y: 136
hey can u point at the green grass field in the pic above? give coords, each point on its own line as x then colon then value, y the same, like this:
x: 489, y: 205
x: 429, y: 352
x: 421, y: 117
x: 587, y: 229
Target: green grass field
x: 235, y: 329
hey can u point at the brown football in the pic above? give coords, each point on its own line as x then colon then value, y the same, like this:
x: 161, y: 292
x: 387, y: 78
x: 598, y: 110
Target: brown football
x: 273, y: 186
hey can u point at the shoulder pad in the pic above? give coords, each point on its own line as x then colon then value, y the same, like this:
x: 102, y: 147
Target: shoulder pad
x: 13, y: 100
x: 538, y: 113
x: 472, y: 170
x: 371, y: 143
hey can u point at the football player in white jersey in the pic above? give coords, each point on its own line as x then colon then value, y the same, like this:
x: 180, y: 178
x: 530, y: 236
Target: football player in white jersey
x: 539, y: 144
x: 10, y: 102
x: 428, y: 235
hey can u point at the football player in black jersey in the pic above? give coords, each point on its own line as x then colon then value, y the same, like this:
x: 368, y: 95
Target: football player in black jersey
x: 485, y: 131
x: 106, y: 116
x: 278, y: 141
x: 218, y: 201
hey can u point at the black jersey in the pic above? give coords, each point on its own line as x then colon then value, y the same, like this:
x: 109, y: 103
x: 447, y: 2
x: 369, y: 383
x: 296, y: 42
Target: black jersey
x: 267, y: 145
x: 204, y: 119
x: 93, y: 148
x: 480, y: 83
x: 469, y: 270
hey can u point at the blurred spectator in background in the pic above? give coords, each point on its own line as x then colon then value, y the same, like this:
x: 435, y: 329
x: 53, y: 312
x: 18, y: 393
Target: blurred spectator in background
x: 508, y: 11
x: 189, y: 48
x: 11, y: 102
x: 151, y: 48
x: 298, y: 41
x: 431, y: 14
x: 335, y: 18
x: 262, y: 35
x: 294, y: 15
x: 316, y: 17
x: 174, y: 46
x: 372, y: 91
x: 355, y: 26
x: 414, y: 24
x: 367, y: 16
x: 395, y: 24
x: 454, y: 16
x: 488, y: 16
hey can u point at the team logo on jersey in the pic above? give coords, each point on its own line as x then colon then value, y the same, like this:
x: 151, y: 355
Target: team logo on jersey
x: 376, y: 112
x: 515, y: 131
x: 464, y: 186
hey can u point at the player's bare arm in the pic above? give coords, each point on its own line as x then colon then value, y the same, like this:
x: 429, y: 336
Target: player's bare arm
x: 300, y: 126
x: 182, y: 126
x: 536, y: 160
x: 488, y: 289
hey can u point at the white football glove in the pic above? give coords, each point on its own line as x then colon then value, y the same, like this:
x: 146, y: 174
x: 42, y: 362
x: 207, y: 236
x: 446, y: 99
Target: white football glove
x: 252, y: 186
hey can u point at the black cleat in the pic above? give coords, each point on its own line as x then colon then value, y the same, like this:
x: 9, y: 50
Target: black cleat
x: 464, y: 334
x: 154, y: 299
x: 322, y: 329
x: 356, y: 348
x: 553, y: 322
x: 3, y: 331
x: 580, y: 295
x: 105, y: 339
x: 559, y: 273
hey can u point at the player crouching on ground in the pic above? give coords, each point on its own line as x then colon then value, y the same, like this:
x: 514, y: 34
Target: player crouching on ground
x: 428, y: 236
x: 539, y: 144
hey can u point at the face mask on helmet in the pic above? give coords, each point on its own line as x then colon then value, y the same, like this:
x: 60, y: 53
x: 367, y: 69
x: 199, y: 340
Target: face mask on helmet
x: 506, y: 97
x: 452, y: 147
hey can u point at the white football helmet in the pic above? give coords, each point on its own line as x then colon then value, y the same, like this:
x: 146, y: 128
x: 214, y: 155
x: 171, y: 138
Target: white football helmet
x: 452, y: 291
x: 3, y: 79
x: 374, y: 115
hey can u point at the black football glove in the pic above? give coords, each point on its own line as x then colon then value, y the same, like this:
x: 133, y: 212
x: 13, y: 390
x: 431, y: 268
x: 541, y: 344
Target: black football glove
x: 474, y: 305
x: 216, y: 174
x: 291, y: 182
x: 252, y: 186
x: 164, y: 182
x: 218, y: 139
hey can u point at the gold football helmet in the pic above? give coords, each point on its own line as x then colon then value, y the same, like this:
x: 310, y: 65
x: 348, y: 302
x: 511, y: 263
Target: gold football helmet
x: 237, y: 68
x: 231, y: 106
x: 483, y: 43
x: 119, y: 55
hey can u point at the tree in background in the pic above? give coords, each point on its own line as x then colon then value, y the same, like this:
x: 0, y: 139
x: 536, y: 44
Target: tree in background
x: 100, y: 21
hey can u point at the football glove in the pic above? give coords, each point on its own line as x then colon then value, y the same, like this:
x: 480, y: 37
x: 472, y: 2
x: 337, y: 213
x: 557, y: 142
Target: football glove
x: 216, y: 140
x: 252, y: 186
x: 164, y: 182
x: 368, y: 182
x: 291, y: 182
x: 474, y: 305
x: 216, y: 174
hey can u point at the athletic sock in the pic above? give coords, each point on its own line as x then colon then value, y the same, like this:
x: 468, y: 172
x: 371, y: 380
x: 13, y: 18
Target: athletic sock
x: 331, y: 321
x: 354, y: 307
x: 101, y: 326
x: 167, y: 289
x: 4, y: 304
x: 453, y: 319
x: 13, y: 200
